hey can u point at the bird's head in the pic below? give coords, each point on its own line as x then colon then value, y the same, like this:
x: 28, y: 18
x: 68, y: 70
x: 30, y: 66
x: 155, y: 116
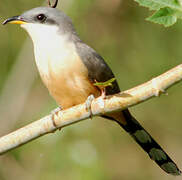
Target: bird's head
x: 43, y: 21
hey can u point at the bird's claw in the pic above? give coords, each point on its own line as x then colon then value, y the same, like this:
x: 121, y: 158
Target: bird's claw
x: 55, y: 113
x: 88, y: 104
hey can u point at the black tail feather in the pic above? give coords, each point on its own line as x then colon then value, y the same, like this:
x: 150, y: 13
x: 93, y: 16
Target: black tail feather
x: 148, y: 144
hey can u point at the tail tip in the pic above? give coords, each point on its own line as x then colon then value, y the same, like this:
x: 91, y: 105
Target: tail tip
x: 171, y: 168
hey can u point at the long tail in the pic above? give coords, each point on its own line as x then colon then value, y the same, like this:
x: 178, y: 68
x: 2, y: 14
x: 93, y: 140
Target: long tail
x: 144, y: 139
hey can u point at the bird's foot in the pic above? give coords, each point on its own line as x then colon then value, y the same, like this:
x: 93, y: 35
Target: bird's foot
x: 88, y: 104
x: 55, y: 113
x: 101, y: 99
x: 103, y: 93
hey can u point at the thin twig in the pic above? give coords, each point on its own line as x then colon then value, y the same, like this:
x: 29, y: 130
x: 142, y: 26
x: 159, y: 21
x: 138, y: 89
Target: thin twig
x: 99, y: 106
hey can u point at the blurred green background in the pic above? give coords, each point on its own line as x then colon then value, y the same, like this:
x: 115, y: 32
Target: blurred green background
x: 98, y: 149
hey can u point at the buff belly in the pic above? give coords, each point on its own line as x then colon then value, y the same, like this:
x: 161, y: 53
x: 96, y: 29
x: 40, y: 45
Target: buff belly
x: 70, y: 88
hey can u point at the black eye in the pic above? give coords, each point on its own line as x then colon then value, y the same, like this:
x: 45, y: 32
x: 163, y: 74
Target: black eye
x: 41, y: 17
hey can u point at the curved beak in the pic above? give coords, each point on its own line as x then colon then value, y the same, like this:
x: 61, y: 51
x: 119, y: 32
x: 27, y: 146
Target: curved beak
x: 14, y: 20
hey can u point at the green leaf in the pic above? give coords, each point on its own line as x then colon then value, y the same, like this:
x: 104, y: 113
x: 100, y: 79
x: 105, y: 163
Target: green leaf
x: 152, y: 5
x: 165, y: 16
x: 158, y: 4
x: 166, y: 11
x: 105, y: 84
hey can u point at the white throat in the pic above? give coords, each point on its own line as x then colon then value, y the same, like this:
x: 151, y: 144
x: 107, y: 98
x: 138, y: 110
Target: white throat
x: 45, y: 36
x: 51, y: 48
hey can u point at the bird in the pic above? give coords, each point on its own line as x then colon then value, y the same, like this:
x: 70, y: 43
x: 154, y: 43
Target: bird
x: 69, y: 68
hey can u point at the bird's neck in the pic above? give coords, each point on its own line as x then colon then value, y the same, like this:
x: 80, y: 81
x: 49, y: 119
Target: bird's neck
x: 51, y: 47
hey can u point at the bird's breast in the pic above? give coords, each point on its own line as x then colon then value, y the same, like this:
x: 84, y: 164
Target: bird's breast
x: 64, y: 74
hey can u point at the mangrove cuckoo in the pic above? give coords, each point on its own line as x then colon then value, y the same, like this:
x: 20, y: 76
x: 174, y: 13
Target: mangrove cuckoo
x: 69, y: 69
